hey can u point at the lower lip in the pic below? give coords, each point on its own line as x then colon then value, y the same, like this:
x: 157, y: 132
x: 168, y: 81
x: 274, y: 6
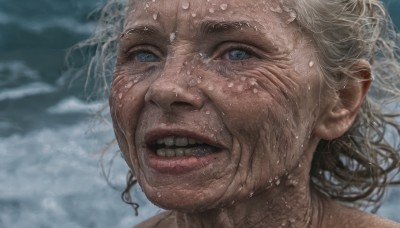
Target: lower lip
x: 180, y: 165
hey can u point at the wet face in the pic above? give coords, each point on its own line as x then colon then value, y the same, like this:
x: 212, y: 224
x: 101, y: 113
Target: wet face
x: 213, y: 100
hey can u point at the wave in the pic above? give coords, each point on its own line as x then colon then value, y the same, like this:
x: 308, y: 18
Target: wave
x: 30, y: 89
x: 74, y: 105
x: 15, y: 71
x: 50, y: 178
x: 39, y: 25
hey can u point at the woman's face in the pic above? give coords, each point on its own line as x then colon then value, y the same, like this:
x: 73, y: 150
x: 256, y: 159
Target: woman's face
x: 213, y: 101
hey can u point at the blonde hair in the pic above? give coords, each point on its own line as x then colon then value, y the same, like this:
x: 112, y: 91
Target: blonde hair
x: 357, y: 167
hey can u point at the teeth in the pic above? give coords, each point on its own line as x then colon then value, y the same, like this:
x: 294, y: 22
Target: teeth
x: 181, y: 141
x: 174, y: 146
x: 192, y: 141
x: 170, y: 153
x: 177, y: 141
x: 169, y: 141
x: 180, y: 152
x: 161, y: 152
x: 188, y: 152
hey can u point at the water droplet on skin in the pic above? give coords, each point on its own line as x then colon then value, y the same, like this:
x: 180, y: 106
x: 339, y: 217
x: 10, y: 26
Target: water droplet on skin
x: 211, y: 10
x: 292, y: 17
x: 158, y: 194
x: 147, y: 5
x: 172, y: 37
x: 129, y: 85
x: 155, y: 16
x: 299, y: 165
x: 208, y: 112
x: 120, y: 95
x: 297, y: 137
x: 255, y: 90
x: 251, y: 194
x: 176, y: 92
x: 211, y: 88
x: 192, y: 82
x: 277, y: 162
x: 223, y: 6
x: 278, y: 182
x: 293, y: 183
x: 194, y: 15
x: 252, y: 82
x: 309, y: 87
x: 311, y: 64
x: 278, y: 9
x: 240, y: 88
x: 185, y: 5
x: 230, y: 85
x: 243, y: 79
x: 292, y: 220
x: 199, y: 81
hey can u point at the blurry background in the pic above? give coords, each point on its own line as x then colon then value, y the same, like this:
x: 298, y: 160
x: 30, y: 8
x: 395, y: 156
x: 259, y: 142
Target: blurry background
x: 49, y: 147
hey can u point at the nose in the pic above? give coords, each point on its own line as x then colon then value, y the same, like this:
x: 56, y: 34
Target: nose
x: 171, y: 92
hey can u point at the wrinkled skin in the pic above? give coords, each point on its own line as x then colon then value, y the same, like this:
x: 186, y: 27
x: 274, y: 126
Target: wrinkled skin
x: 251, y: 88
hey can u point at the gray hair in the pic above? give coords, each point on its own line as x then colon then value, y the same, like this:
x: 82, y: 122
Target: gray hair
x: 357, y: 167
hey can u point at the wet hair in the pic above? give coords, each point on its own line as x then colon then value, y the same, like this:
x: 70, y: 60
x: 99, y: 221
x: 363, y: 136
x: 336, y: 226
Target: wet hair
x: 357, y: 167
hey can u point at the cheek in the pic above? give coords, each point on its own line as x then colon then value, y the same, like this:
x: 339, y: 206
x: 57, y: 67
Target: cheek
x: 264, y: 109
x: 262, y: 94
x: 126, y: 101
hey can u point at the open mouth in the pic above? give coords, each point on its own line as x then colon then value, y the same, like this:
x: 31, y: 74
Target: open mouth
x: 181, y: 146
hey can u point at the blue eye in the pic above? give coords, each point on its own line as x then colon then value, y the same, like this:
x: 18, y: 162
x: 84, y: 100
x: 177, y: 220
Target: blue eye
x: 146, y: 56
x: 238, y: 54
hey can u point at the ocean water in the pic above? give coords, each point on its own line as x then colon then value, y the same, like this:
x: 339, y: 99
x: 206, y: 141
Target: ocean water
x: 50, y: 148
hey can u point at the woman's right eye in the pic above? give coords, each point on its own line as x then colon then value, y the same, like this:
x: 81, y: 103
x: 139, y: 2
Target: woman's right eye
x: 145, y: 56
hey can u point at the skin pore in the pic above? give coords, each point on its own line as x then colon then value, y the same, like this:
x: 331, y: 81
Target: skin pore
x: 244, y: 80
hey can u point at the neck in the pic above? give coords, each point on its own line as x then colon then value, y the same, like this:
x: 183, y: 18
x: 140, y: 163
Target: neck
x: 291, y: 202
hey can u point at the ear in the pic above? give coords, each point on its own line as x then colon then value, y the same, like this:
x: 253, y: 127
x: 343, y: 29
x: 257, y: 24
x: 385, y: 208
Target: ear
x: 339, y: 112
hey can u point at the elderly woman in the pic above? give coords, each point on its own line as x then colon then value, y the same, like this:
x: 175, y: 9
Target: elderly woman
x: 247, y: 113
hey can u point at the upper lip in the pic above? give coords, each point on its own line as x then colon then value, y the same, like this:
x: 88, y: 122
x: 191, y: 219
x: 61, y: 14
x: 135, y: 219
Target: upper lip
x: 153, y: 135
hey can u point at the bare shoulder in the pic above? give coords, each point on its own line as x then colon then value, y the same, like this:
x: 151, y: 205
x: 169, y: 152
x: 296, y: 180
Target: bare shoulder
x: 165, y: 219
x: 343, y: 216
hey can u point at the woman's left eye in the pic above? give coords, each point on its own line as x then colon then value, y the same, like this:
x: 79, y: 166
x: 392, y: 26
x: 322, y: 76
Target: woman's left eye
x: 237, y: 54
x: 146, y: 56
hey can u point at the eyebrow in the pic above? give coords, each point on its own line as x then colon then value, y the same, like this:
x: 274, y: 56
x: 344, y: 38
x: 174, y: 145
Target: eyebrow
x: 145, y: 30
x: 217, y: 27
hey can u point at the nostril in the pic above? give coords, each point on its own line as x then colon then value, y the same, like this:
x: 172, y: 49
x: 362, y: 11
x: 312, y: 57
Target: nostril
x: 180, y: 104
